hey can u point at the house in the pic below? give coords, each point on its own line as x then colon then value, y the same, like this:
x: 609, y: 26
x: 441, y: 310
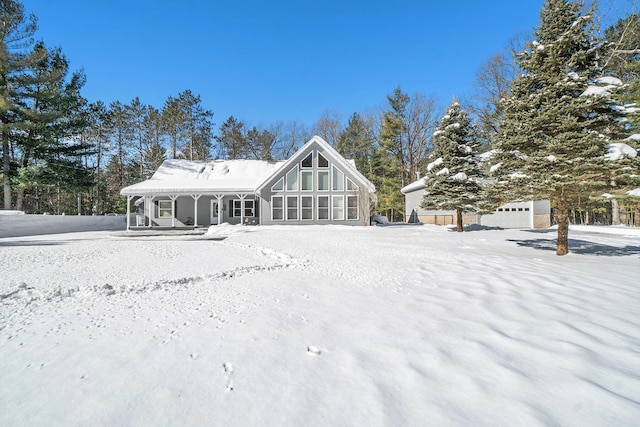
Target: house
x: 531, y: 214
x: 315, y: 186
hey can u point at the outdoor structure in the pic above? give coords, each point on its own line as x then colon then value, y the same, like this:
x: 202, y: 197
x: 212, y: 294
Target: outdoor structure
x: 315, y: 186
x: 531, y: 214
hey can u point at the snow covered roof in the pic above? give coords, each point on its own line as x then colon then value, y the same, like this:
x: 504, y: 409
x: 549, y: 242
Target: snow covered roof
x: 184, y: 176
x: 414, y: 186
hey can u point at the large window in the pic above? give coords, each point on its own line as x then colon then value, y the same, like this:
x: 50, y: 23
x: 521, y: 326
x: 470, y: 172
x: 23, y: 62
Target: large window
x: 277, y: 208
x: 307, y: 162
x: 306, y: 207
x: 323, y: 180
x: 164, y: 209
x: 337, y: 178
x: 237, y: 208
x: 278, y: 186
x: 292, y: 208
x: 352, y: 207
x: 249, y: 208
x: 322, y: 161
x: 351, y: 186
x: 292, y: 179
x: 307, y: 180
x: 323, y: 207
x: 337, y: 211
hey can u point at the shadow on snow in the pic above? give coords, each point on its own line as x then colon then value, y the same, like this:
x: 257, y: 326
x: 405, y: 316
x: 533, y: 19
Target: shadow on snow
x: 581, y: 247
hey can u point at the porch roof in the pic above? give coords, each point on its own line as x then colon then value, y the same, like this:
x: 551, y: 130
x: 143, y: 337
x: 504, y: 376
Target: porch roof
x: 218, y: 176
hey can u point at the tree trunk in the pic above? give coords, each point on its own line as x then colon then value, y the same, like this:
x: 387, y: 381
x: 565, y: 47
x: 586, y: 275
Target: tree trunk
x: 562, y: 214
x: 6, y: 165
x: 459, y: 228
x: 615, y: 212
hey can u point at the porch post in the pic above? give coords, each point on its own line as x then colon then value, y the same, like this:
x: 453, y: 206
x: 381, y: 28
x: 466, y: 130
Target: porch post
x: 128, y: 213
x: 173, y: 198
x: 150, y: 199
x: 242, y: 197
x: 195, y: 208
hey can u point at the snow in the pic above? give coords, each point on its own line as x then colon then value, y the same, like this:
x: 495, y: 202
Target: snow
x: 222, y: 175
x: 443, y: 171
x: 321, y: 325
x: 293, y: 325
x: 635, y: 192
x: 460, y: 176
x: 619, y: 150
x: 608, y: 83
x: 634, y: 137
x: 551, y: 158
x: 436, y: 162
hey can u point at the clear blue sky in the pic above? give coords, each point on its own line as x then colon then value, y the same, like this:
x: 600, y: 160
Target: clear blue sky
x: 279, y: 60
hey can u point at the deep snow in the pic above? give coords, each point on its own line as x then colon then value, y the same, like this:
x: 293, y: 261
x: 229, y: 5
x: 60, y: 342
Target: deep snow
x: 321, y: 325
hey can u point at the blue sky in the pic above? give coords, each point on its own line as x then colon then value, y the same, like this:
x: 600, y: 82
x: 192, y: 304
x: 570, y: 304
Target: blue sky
x: 279, y: 60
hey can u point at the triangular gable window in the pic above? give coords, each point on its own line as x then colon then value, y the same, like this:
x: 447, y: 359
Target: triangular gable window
x: 292, y: 179
x: 322, y: 161
x: 307, y: 162
x: 351, y: 186
x: 337, y: 178
x: 278, y: 186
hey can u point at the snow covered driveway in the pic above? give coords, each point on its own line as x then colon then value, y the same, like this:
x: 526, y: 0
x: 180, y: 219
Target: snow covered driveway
x: 321, y: 325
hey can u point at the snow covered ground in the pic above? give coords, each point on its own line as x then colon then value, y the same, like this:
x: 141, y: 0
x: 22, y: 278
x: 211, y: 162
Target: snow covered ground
x: 321, y: 325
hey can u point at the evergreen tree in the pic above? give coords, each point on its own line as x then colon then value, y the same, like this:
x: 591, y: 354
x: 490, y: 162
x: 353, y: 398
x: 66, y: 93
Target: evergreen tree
x: 452, y: 178
x: 553, y: 139
x: 195, y: 131
x: 232, y: 142
x: 387, y: 159
x: 357, y: 142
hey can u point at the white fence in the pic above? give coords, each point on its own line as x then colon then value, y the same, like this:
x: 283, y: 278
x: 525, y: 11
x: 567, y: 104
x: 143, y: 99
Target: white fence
x: 29, y: 225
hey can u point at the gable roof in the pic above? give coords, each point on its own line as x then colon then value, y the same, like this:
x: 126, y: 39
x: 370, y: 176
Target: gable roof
x: 346, y: 164
x: 414, y: 186
x: 184, y: 176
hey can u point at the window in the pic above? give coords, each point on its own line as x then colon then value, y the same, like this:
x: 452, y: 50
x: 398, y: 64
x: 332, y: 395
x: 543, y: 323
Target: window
x: 526, y: 209
x: 292, y: 179
x: 307, y: 162
x: 338, y: 179
x: 499, y: 209
x: 292, y: 208
x: 278, y: 186
x: 323, y: 180
x: 237, y: 208
x: 338, y: 208
x: 323, y: 207
x: 164, y: 209
x: 352, y: 207
x: 322, y: 161
x: 277, y: 208
x: 306, y: 207
x: 249, y: 208
x: 307, y: 181
x: 351, y: 186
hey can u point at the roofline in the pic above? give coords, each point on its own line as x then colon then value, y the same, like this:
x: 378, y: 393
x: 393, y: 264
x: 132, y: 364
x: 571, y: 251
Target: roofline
x: 324, y: 144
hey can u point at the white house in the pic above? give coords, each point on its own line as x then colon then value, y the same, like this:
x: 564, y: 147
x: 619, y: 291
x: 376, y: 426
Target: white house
x: 315, y: 186
x: 531, y: 214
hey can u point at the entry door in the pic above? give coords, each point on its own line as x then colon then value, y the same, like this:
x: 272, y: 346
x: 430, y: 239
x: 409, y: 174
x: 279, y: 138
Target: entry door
x: 214, y: 212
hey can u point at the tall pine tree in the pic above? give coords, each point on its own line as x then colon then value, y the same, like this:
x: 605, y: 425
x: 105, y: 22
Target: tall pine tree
x: 452, y: 178
x: 553, y: 139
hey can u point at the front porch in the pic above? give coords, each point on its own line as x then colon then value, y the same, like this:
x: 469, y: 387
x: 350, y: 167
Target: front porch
x: 190, y: 211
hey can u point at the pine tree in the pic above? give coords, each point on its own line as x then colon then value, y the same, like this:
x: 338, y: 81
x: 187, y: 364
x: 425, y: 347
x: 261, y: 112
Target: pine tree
x: 452, y: 178
x: 387, y: 159
x: 553, y: 139
x: 357, y: 142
